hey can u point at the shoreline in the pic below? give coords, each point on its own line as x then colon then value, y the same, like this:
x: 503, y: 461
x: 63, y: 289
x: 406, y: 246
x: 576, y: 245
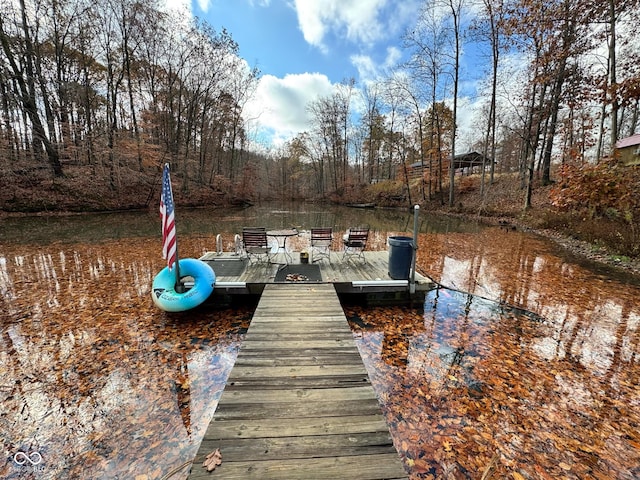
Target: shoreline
x: 577, y: 247
x: 581, y: 248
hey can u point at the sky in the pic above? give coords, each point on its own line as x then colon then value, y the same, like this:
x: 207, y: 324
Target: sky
x: 303, y: 48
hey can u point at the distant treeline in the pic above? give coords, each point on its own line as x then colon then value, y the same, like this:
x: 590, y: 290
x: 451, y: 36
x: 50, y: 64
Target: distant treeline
x: 113, y: 89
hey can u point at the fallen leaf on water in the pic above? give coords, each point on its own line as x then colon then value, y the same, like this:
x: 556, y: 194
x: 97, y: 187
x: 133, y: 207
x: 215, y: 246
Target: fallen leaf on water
x: 213, y: 460
x: 540, y: 391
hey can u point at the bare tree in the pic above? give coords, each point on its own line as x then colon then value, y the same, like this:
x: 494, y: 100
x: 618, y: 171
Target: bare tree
x: 343, y: 100
x: 490, y: 26
x: 20, y: 45
x: 331, y: 125
x: 429, y: 42
x: 456, y: 7
x: 373, y: 122
x: 414, y: 99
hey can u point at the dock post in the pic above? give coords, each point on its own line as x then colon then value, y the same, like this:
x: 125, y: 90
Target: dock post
x: 412, y: 283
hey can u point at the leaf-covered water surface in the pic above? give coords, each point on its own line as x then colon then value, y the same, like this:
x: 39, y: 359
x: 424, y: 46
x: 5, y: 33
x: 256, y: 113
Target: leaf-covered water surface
x: 94, y: 377
x: 473, y: 388
x: 101, y: 384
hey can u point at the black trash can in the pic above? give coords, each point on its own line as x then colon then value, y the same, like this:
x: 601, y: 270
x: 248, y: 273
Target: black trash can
x: 400, y: 256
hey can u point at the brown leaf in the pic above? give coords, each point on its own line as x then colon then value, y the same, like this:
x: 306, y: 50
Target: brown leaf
x: 213, y: 460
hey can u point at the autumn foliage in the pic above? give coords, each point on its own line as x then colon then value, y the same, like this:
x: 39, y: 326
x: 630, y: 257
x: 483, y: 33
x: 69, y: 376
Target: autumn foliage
x: 603, y: 189
x: 605, y: 193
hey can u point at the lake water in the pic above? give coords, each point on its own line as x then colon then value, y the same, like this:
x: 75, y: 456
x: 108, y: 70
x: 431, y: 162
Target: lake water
x: 527, y: 364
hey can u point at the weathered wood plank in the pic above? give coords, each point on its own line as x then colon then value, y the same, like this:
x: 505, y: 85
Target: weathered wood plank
x: 234, y: 395
x: 301, y: 353
x: 300, y: 320
x: 311, y: 307
x: 367, y: 406
x: 290, y: 371
x: 317, y: 357
x: 295, y: 427
x: 275, y: 383
x: 300, y: 311
x: 278, y: 334
x: 294, y: 326
x: 302, y: 324
x: 298, y: 402
x: 243, y: 449
x: 361, y: 467
x: 295, y: 344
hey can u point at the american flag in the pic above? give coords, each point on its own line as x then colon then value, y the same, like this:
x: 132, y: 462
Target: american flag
x: 168, y: 219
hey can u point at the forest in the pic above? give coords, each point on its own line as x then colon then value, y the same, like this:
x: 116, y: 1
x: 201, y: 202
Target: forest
x: 97, y: 96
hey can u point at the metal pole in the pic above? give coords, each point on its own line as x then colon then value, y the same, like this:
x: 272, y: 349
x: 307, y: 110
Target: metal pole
x: 412, y: 284
x: 179, y: 286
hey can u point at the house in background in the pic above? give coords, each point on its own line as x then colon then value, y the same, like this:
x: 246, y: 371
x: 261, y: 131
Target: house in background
x: 628, y: 150
x: 464, y: 163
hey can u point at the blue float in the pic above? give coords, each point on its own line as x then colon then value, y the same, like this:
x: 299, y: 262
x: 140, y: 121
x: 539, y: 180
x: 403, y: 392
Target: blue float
x: 163, y: 289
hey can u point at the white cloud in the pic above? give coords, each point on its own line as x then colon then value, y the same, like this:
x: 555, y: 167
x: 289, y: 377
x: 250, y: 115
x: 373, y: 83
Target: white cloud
x: 470, y: 128
x: 204, y: 5
x: 367, y: 69
x: 370, y: 71
x: 184, y: 6
x: 356, y: 20
x: 393, y: 57
x: 279, y: 106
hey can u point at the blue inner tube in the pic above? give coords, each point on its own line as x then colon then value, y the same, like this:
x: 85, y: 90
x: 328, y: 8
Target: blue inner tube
x: 163, y: 289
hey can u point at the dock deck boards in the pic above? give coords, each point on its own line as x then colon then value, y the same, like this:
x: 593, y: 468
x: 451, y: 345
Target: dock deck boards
x: 341, y: 273
x: 298, y: 403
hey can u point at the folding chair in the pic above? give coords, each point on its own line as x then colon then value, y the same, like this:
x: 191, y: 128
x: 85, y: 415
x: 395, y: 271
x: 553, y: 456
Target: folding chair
x: 255, y: 244
x: 321, y: 243
x: 355, y: 241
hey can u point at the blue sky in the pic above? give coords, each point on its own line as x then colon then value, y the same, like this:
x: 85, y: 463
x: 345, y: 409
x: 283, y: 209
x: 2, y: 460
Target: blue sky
x: 304, y: 47
x: 329, y: 37
x: 270, y: 38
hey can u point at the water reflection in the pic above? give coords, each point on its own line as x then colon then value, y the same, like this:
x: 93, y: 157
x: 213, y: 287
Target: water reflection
x: 94, y: 378
x: 96, y: 228
x: 468, y: 391
x: 103, y: 385
x: 528, y: 369
x: 594, y: 316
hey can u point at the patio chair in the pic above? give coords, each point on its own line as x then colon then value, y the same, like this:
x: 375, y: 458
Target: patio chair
x: 255, y: 244
x: 355, y: 241
x: 321, y: 243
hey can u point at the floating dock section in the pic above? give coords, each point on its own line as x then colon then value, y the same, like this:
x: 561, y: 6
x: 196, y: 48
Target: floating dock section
x: 370, y: 279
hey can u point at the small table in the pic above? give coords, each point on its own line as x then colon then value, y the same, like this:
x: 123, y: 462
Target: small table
x: 281, y: 237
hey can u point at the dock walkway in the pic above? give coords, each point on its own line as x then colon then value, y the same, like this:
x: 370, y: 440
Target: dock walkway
x: 298, y: 403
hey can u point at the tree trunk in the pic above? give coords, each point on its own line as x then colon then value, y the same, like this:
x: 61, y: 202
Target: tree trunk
x: 28, y: 91
x: 456, y: 12
x: 613, y: 83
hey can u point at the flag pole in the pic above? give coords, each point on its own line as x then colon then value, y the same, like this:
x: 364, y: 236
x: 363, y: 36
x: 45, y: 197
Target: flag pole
x: 179, y: 287
x: 169, y: 234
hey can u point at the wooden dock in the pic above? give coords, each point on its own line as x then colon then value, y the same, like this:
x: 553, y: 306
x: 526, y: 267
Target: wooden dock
x: 298, y: 403
x: 352, y: 276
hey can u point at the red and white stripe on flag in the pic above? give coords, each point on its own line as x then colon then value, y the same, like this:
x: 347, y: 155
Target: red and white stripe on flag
x: 169, y: 247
